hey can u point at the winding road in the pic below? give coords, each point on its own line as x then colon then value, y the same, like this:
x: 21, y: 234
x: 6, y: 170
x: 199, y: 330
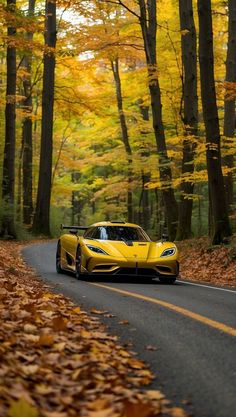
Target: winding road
x: 186, y: 331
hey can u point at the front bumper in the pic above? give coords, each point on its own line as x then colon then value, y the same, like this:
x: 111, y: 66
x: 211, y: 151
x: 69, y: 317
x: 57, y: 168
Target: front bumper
x: 153, y: 267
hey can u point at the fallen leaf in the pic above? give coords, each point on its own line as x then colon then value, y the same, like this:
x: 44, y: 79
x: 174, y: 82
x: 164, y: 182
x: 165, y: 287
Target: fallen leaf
x: 150, y: 347
x: 29, y: 369
x: 100, y: 312
x: 30, y: 328
x: 60, y: 346
x: 99, y: 404
x: 108, y: 412
x: 139, y: 410
x: 54, y: 414
x: 48, y: 296
x: 43, y: 389
x: 59, y: 324
x: 177, y: 412
x: 123, y: 322
x: 32, y: 337
x: 155, y: 394
x: 22, y: 408
x: 76, y: 310
x: 46, y: 339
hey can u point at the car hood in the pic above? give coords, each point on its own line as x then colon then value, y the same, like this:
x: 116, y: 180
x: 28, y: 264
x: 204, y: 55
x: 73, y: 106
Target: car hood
x: 138, y: 250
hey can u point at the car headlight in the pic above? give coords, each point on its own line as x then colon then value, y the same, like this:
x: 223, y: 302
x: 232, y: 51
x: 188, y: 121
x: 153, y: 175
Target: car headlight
x: 168, y: 252
x: 96, y: 250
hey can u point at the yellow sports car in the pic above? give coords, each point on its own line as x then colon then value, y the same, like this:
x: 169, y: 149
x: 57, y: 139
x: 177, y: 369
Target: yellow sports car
x: 115, y: 248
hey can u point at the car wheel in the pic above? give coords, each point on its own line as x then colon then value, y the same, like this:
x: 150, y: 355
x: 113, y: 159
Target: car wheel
x: 167, y: 280
x: 78, y: 263
x: 58, y: 259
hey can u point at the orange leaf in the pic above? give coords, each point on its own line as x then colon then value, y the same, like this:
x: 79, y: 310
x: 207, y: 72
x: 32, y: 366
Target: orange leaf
x: 46, y: 339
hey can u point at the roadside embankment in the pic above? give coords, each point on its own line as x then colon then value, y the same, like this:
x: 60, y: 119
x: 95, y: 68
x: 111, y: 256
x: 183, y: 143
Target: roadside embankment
x: 210, y: 264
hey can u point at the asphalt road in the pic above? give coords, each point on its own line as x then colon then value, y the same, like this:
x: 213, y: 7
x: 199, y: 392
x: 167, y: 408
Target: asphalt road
x: 192, y: 327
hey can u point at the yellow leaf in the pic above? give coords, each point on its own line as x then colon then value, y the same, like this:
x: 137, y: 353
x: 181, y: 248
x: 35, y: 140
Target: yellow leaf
x: 21, y: 408
x: 177, y: 412
x: 184, y: 32
x: 48, y: 296
x: 155, y: 394
x: 60, y: 346
x: 29, y: 369
x: 77, y: 310
x: 94, y: 311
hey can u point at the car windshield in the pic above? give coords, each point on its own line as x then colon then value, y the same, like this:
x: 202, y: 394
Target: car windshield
x: 120, y: 233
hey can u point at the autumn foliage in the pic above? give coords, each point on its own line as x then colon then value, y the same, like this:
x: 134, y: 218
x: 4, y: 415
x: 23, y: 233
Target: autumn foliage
x: 112, y: 158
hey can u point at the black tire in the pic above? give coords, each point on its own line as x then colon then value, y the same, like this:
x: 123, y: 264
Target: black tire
x: 167, y: 280
x: 58, y: 259
x: 78, y: 263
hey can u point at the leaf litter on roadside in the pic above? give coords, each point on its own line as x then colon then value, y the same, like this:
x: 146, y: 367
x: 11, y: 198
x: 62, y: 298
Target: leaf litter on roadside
x: 57, y: 361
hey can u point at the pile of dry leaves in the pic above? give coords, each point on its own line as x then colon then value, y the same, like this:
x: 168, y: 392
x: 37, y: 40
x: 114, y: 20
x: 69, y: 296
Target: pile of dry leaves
x: 201, y: 262
x: 58, y: 361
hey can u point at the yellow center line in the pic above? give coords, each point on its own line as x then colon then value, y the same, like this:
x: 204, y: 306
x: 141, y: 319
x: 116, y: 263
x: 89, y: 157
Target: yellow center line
x: 202, y: 319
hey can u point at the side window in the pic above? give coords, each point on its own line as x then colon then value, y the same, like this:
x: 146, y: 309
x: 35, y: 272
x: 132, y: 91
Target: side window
x: 89, y: 233
x: 100, y: 233
x: 96, y: 233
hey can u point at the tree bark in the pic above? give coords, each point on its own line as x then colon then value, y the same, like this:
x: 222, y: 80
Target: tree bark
x: 8, y: 181
x: 41, y: 223
x: 189, y: 116
x: 145, y: 214
x: 148, y: 25
x: 221, y: 226
x: 125, y: 136
x: 27, y: 132
x: 229, y: 104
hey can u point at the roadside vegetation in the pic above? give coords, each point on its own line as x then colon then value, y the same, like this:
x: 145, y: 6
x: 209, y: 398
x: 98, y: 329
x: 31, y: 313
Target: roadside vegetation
x: 199, y: 261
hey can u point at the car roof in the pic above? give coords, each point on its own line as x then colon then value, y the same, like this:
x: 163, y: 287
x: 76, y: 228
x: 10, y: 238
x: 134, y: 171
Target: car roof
x: 114, y: 223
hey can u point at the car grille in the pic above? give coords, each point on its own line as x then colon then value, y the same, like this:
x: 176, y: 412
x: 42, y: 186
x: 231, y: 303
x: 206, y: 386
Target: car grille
x: 138, y: 271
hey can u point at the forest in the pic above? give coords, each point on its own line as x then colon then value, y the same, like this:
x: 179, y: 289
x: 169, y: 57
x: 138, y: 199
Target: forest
x: 118, y: 110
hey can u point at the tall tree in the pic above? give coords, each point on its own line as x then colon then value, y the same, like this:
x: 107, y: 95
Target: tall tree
x: 8, y: 182
x: 41, y: 223
x: 189, y: 114
x: 221, y: 226
x: 124, y: 133
x: 148, y: 23
x: 144, y: 201
x: 27, y: 130
x: 229, y: 104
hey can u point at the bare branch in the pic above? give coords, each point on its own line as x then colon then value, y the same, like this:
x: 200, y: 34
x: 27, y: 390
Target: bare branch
x: 120, y: 3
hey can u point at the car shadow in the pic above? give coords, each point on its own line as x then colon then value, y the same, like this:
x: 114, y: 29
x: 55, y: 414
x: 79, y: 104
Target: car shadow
x: 121, y: 279
x: 126, y: 279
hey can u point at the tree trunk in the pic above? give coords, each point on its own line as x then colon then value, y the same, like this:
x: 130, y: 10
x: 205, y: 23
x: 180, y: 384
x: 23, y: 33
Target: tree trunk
x: 148, y: 25
x: 221, y: 226
x: 41, y: 222
x: 189, y: 116
x: 27, y: 132
x: 76, y: 203
x: 8, y: 181
x: 229, y: 105
x: 125, y: 137
x: 145, y: 216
